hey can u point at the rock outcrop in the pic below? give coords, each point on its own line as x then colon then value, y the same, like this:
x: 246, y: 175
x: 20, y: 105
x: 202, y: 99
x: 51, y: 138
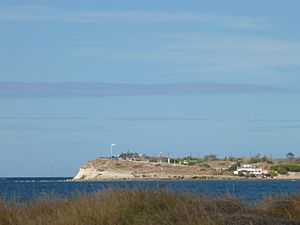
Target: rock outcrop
x: 107, y: 169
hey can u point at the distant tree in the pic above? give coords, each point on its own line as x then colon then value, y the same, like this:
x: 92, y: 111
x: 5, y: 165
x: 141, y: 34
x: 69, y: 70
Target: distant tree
x: 287, y: 167
x: 123, y: 155
x: 282, y: 170
x: 290, y: 155
x: 258, y: 158
x: 241, y: 174
x: 273, y: 173
x: 234, y: 159
x: 128, y: 154
x: 234, y: 166
x: 210, y: 157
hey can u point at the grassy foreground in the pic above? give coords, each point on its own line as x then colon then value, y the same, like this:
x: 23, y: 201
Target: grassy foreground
x: 128, y: 207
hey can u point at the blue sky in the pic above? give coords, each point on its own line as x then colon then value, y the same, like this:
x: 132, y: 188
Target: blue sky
x: 151, y: 76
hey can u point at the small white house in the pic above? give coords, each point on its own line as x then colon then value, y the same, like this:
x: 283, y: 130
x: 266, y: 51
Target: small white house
x: 248, y: 169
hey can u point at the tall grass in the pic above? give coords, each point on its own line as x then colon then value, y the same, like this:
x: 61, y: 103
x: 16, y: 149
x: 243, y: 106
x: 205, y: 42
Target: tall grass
x: 133, y: 207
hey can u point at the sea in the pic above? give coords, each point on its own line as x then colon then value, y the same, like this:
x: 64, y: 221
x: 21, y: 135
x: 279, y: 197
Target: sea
x: 27, y: 189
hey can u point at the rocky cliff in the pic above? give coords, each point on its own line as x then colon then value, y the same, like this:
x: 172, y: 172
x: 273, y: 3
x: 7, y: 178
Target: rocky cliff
x: 107, y: 169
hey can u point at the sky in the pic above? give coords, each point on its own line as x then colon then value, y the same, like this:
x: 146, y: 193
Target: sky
x: 177, y: 77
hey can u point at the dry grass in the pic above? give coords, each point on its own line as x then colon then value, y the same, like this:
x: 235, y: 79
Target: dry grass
x: 129, y: 207
x: 287, y: 207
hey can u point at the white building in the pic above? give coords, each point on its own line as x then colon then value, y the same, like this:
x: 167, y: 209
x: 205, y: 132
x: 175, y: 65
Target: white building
x: 248, y: 169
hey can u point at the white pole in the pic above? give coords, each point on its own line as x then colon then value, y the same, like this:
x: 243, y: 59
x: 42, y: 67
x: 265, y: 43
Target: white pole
x: 111, y: 150
x: 111, y: 146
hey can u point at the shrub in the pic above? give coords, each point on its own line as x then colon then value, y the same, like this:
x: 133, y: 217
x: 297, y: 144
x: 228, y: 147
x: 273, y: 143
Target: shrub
x: 234, y: 166
x: 234, y: 159
x: 288, y: 167
x: 205, y: 165
x: 210, y: 157
x: 282, y: 170
x: 273, y: 173
x: 258, y: 158
x: 241, y: 174
x: 293, y: 168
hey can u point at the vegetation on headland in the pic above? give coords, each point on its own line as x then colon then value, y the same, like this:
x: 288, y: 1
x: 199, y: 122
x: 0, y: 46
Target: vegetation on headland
x: 134, y: 166
x: 290, y: 158
x: 273, y: 166
x: 284, y: 168
x: 133, y: 207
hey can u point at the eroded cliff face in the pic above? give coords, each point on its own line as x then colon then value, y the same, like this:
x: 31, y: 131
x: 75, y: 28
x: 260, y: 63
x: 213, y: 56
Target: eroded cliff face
x: 107, y: 169
x: 104, y: 169
x: 98, y: 174
x: 87, y: 173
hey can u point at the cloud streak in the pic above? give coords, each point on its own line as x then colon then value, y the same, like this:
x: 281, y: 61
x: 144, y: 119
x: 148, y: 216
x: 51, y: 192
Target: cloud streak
x: 85, y: 89
x: 293, y: 127
x: 274, y: 120
x: 25, y: 13
x: 193, y: 52
x: 230, y: 52
x: 40, y: 118
x: 167, y: 119
x: 42, y: 127
x: 206, y: 119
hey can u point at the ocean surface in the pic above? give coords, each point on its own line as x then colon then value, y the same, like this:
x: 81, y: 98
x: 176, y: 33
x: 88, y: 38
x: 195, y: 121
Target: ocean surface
x: 27, y: 189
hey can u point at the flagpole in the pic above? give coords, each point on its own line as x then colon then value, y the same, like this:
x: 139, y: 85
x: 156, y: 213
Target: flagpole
x: 111, y: 150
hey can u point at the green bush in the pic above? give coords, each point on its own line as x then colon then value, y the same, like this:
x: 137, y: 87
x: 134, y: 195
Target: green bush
x: 293, y: 168
x: 288, y: 167
x: 282, y: 170
x: 258, y: 158
x: 273, y: 173
x: 210, y: 157
x: 276, y: 167
x: 234, y: 159
x: 125, y: 155
x: 234, y: 166
x: 241, y: 174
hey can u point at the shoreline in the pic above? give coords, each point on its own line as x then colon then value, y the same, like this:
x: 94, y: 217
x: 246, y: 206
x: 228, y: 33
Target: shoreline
x: 221, y: 179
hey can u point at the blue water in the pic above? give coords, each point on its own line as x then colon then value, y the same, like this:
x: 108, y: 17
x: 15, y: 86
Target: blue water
x: 27, y: 189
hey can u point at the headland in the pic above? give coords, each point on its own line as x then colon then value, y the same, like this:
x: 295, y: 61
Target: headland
x: 206, y: 168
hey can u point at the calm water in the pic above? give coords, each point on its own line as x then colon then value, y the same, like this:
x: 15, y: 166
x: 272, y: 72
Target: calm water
x: 26, y: 189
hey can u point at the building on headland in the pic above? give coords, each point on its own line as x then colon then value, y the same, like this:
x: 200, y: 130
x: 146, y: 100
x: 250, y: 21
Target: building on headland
x: 248, y: 169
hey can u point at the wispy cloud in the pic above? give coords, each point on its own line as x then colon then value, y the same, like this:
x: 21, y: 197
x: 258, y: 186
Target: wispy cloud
x: 274, y: 120
x: 228, y: 52
x: 167, y: 119
x: 275, y: 128
x: 40, y: 118
x: 206, y: 119
x: 194, y: 52
x: 237, y: 43
x: 26, y: 13
x: 47, y: 128
x: 84, y: 89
